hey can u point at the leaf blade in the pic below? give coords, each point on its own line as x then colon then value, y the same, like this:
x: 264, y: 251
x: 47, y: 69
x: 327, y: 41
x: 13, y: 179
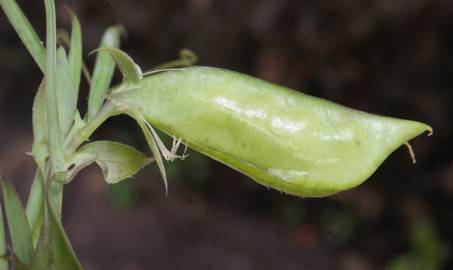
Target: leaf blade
x: 75, y: 54
x: 154, y: 149
x: 54, y: 251
x: 34, y: 209
x: 40, y: 148
x: 117, y: 161
x: 25, y: 31
x: 66, y: 94
x: 17, y: 224
x: 132, y: 74
x: 56, y: 151
x: 103, y: 71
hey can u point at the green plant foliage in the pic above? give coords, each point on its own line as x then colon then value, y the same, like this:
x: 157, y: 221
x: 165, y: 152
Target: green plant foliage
x: 54, y: 251
x: 17, y: 224
x: 40, y: 149
x: 151, y: 140
x: 34, y: 210
x: 103, y: 71
x: 132, y: 73
x: 66, y: 94
x: 117, y: 161
x: 55, y: 138
x: 75, y: 55
x: 281, y: 138
x: 25, y: 31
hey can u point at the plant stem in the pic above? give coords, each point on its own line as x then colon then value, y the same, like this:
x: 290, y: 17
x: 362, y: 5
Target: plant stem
x: 56, y: 195
x: 35, y: 204
x: 84, y: 134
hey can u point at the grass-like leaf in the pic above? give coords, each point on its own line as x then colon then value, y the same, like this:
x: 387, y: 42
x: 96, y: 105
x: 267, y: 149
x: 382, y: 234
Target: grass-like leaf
x: 55, y: 140
x: 75, y: 54
x: 34, y: 210
x: 40, y: 152
x: 54, y: 251
x: 117, y: 161
x: 25, y: 31
x: 17, y: 224
x: 103, y: 71
x: 154, y: 148
x: 63, y: 38
x: 132, y: 73
x: 40, y: 149
x: 66, y: 94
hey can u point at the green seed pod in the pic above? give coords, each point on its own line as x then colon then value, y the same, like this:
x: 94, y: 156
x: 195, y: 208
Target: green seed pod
x: 281, y: 138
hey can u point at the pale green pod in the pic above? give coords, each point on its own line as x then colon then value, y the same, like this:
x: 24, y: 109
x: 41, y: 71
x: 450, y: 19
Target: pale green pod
x: 281, y: 138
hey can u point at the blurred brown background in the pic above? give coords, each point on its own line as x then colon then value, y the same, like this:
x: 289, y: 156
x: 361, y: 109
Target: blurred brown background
x: 392, y: 57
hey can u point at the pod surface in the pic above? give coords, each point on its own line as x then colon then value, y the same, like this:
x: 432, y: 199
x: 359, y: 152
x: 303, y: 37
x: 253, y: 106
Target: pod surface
x: 281, y: 138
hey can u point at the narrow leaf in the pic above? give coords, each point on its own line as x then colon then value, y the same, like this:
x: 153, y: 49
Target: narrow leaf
x: 117, y: 161
x: 66, y: 94
x: 54, y: 251
x: 75, y: 54
x: 103, y: 71
x: 40, y: 149
x: 132, y: 73
x: 64, y: 39
x: 25, y: 31
x: 154, y: 148
x: 34, y: 210
x: 3, y: 248
x: 17, y: 223
x: 56, y: 150
x: 169, y: 155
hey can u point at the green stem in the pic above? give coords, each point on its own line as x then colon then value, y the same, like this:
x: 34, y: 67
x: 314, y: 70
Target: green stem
x: 84, y: 134
x: 56, y: 195
x: 35, y: 206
